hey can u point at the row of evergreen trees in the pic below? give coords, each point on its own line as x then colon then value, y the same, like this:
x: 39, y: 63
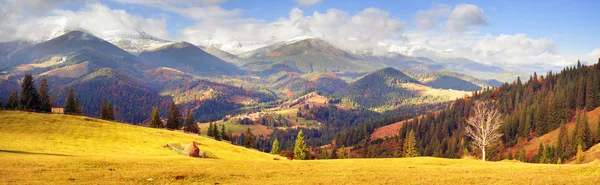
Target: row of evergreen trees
x: 107, y: 111
x: 213, y: 131
x: 174, y: 120
x: 39, y: 99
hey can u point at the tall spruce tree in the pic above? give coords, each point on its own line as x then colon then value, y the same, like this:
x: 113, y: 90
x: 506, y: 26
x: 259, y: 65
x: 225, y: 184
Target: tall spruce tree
x: 590, y: 92
x: 45, y: 98
x: 300, y: 150
x: 13, y: 100
x: 104, y: 109
x: 581, y: 92
x: 110, y: 111
x: 155, y: 121
x: 174, y: 117
x: 587, y: 133
x: 29, y: 99
x: 216, y: 133
x: 343, y: 154
x: 410, y: 145
x: 579, y: 155
x: 334, y: 150
x: 249, y: 139
x: 70, y: 102
x: 275, y: 147
x: 189, y: 124
x: 224, y: 135
x: 209, y: 131
x: 563, y: 140
x: 324, y: 153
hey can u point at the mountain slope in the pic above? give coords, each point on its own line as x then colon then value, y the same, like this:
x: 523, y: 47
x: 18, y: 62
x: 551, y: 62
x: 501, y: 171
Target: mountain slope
x: 186, y: 57
x: 134, y: 41
x: 73, y: 44
x: 291, y: 83
x: 223, y: 55
x: 379, y: 88
x: 132, y: 100
x: 308, y: 55
x: 401, y: 62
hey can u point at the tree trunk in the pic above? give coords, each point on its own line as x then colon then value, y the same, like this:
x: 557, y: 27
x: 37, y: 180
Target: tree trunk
x: 483, y: 153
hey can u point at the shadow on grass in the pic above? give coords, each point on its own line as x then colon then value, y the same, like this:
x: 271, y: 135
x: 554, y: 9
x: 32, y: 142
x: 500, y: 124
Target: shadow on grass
x: 33, y: 153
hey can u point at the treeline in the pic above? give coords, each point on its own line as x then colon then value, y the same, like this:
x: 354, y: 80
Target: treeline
x: 339, y: 128
x: 531, y: 109
x: 39, y: 99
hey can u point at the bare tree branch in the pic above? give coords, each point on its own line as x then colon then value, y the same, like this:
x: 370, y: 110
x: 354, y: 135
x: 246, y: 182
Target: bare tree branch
x: 484, y: 125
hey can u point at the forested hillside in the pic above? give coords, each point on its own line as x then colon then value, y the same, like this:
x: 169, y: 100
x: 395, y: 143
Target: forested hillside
x: 530, y: 109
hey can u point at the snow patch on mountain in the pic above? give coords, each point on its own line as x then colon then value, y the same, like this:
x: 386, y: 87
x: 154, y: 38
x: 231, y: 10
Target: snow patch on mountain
x: 232, y: 47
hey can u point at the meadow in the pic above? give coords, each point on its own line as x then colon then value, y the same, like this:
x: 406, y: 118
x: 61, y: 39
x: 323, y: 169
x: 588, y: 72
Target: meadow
x: 59, y: 149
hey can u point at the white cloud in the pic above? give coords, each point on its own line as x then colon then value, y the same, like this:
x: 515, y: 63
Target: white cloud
x: 96, y: 18
x: 459, y: 19
x: 196, y: 10
x: 308, y: 2
x: 361, y: 31
x: 465, y: 16
x: 163, y: 3
x: 428, y: 19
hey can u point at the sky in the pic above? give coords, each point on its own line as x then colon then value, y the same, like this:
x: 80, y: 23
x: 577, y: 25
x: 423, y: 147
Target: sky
x: 519, y: 35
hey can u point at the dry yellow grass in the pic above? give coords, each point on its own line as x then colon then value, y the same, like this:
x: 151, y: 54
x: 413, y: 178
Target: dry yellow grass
x: 60, y: 149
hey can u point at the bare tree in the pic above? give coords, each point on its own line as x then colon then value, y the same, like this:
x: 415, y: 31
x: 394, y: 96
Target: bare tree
x: 483, y: 125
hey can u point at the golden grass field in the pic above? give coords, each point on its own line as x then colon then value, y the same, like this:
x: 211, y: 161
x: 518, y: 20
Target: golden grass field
x: 62, y: 149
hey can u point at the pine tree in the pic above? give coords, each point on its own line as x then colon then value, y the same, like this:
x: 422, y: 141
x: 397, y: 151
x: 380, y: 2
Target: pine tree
x: 104, y: 109
x: 579, y: 156
x: 275, y: 147
x: 333, y: 154
x: 110, y: 112
x: 520, y: 155
x: 343, y: 154
x: 78, y: 107
x: 587, y: 133
x: 155, y: 121
x: 541, y: 157
x: 209, y: 131
x: 563, y: 140
x: 590, y: 94
x: 540, y: 120
x: 29, y: 99
x: 45, y: 98
x: 70, y: 102
x: 300, y: 150
x: 410, y: 145
x: 249, y: 139
x: 216, y: 133
x: 189, y: 124
x: 581, y: 93
x: 324, y: 153
x: 224, y: 135
x: 174, y: 117
x: 13, y: 100
x: 559, y: 161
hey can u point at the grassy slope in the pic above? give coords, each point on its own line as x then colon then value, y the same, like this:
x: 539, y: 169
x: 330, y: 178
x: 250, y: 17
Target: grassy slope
x: 532, y: 146
x: 58, y: 149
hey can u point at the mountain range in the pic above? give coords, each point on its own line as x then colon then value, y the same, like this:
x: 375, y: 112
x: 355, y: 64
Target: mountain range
x: 139, y: 66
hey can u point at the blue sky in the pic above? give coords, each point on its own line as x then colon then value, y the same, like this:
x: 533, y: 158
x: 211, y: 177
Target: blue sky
x: 574, y: 25
x: 503, y: 33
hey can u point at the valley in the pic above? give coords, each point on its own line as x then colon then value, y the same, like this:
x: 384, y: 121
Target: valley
x: 204, y: 92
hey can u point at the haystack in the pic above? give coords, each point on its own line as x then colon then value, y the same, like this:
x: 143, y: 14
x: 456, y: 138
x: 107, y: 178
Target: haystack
x: 192, y: 150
